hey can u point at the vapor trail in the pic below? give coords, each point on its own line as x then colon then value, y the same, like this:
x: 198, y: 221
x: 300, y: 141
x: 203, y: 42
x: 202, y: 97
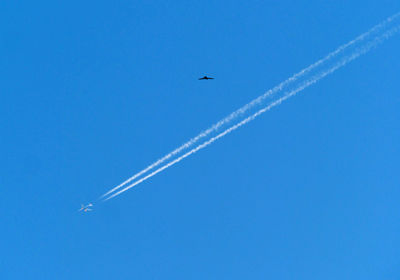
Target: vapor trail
x: 358, y: 52
x: 256, y: 101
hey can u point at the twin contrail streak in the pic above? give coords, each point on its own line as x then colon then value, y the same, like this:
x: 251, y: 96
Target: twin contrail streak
x: 287, y: 94
x: 258, y: 100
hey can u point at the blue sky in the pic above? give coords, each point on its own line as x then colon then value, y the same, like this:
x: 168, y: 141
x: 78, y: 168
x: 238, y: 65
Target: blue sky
x: 94, y: 91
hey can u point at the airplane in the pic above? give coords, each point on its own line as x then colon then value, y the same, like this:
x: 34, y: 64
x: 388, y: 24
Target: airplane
x: 86, y: 208
x: 206, y: 78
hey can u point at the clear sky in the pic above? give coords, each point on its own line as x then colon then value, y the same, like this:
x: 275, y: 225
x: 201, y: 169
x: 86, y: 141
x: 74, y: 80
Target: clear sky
x: 94, y: 91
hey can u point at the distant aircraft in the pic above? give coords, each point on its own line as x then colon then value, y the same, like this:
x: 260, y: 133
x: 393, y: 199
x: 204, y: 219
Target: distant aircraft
x: 86, y: 208
x: 206, y: 78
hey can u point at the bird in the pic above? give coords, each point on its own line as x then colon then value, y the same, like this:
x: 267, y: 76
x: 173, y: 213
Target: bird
x: 206, y: 78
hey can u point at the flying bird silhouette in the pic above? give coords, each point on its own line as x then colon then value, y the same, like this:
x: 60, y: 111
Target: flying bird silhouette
x: 206, y: 78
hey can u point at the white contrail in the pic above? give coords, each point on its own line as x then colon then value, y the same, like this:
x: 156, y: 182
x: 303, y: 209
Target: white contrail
x: 256, y: 101
x: 358, y: 52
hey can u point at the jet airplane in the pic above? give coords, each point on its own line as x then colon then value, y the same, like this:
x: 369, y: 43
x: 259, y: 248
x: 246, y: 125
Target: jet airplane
x: 86, y: 208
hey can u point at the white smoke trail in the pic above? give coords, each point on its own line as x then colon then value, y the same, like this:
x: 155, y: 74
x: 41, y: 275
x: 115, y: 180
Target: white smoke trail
x: 256, y: 101
x: 358, y: 52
